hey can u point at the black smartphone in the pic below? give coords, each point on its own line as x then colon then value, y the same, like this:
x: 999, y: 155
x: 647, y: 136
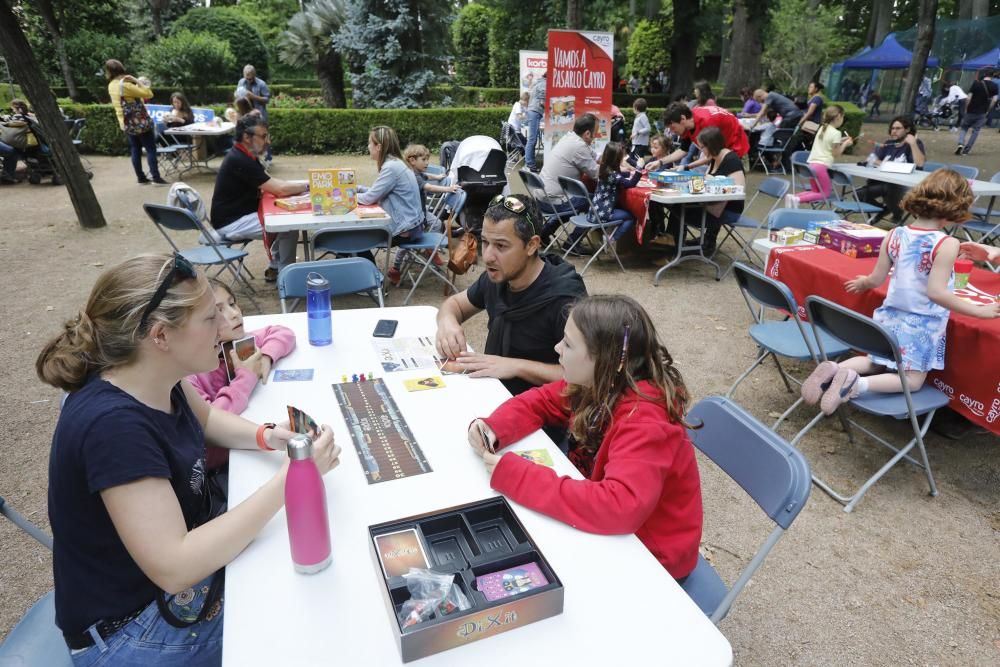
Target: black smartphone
x: 385, y: 329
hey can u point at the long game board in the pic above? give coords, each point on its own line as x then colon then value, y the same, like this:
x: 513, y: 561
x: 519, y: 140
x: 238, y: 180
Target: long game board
x: 382, y: 438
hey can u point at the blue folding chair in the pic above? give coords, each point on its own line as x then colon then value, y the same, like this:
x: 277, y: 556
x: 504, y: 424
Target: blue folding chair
x: 847, y: 201
x: 347, y: 275
x: 574, y: 189
x: 780, y: 140
x: 798, y: 157
x: 35, y: 639
x: 773, y: 187
x: 351, y: 239
x: 799, y: 218
x: 211, y: 253
x: 553, y: 218
x: 967, y: 171
x: 772, y: 472
x: 423, y: 251
x: 933, y: 166
x: 986, y: 224
x: 788, y: 337
x: 867, y: 336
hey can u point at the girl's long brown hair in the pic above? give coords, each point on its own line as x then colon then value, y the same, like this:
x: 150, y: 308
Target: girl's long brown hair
x: 622, y: 341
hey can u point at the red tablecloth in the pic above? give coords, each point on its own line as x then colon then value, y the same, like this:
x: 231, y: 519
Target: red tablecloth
x: 636, y: 201
x: 971, y: 376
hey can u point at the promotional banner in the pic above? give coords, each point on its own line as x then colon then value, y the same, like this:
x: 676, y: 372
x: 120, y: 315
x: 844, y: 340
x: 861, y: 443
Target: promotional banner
x: 533, y: 65
x: 580, y: 79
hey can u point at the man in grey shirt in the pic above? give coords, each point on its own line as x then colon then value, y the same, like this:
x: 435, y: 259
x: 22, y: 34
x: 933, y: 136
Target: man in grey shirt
x: 790, y: 114
x: 572, y: 157
x: 533, y: 116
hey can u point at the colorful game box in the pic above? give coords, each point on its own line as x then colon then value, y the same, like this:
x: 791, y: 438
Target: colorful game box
x: 786, y: 235
x: 675, y: 180
x: 495, y: 564
x: 853, y: 239
x: 332, y: 191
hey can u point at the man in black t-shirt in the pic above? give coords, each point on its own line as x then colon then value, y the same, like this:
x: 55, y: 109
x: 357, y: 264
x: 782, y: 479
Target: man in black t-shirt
x: 979, y: 104
x: 526, y: 296
x: 238, y: 185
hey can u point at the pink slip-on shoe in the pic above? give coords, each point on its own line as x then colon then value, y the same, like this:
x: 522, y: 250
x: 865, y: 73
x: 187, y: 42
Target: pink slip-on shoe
x: 842, y: 389
x: 818, y: 381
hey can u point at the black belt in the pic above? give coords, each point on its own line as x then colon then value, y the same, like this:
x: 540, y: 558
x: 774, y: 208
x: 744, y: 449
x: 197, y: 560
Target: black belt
x: 104, y: 629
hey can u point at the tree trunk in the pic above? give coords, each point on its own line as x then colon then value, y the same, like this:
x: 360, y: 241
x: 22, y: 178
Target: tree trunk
x: 980, y: 9
x: 330, y: 72
x: 25, y: 69
x: 744, y: 67
x: 574, y: 14
x: 881, y: 22
x: 965, y: 9
x: 49, y: 15
x: 653, y: 8
x: 684, y: 46
x: 156, y: 8
x: 926, y: 16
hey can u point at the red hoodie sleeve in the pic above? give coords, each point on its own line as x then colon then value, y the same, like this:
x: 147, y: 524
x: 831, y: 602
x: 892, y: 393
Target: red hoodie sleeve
x: 276, y: 341
x: 525, y: 413
x: 640, y: 455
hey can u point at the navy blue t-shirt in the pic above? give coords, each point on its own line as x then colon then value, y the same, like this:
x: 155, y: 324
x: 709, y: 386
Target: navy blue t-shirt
x: 106, y: 438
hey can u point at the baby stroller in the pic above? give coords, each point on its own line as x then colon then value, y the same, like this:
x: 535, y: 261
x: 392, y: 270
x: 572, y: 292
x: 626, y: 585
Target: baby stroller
x: 481, y: 184
x: 38, y: 156
x: 513, y: 146
x: 941, y: 115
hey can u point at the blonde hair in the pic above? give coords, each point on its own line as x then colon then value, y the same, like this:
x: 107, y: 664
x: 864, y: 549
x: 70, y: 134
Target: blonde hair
x: 107, y: 332
x: 415, y: 151
x: 830, y: 114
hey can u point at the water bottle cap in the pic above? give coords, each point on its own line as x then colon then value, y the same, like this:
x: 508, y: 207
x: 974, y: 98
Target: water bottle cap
x: 316, y: 281
x: 299, y: 447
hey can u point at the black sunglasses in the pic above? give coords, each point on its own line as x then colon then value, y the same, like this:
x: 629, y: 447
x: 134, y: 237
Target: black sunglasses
x: 512, y: 204
x: 181, y: 269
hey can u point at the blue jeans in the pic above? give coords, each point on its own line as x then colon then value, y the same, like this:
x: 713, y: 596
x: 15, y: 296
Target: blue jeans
x: 150, y: 640
x: 136, y: 142
x: 10, y: 156
x: 627, y: 220
x: 534, y: 119
x: 973, y: 121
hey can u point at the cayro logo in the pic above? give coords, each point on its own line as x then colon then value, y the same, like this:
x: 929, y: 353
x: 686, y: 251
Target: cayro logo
x: 975, y: 407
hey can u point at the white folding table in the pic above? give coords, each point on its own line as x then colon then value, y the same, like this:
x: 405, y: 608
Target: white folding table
x: 204, y: 129
x: 692, y: 252
x: 621, y: 606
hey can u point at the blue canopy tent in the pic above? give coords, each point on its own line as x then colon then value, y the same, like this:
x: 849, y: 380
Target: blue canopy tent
x: 988, y: 59
x: 890, y: 54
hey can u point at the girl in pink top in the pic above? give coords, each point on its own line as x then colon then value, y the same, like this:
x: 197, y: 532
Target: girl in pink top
x: 273, y: 343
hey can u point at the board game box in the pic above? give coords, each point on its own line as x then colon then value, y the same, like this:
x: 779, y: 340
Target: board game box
x: 496, y: 565
x: 332, y: 191
x: 853, y: 239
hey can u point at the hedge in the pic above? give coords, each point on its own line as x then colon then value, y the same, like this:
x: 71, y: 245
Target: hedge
x: 219, y: 94
x: 305, y: 131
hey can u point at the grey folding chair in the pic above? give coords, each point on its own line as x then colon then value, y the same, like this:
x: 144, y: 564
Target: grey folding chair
x: 351, y: 239
x: 773, y: 187
x: 846, y: 201
x: 780, y: 140
x: 986, y: 223
x: 798, y: 217
x: 772, y: 472
x: 210, y: 254
x: 190, y: 199
x: 798, y: 157
x: 788, y: 337
x: 347, y: 275
x: 581, y: 220
x: 867, y: 336
x: 933, y: 166
x: 554, y: 222
x: 967, y: 171
x: 35, y: 639
x: 430, y: 243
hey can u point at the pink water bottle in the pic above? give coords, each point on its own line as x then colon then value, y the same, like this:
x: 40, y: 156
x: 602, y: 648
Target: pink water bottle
x: 305, y: 507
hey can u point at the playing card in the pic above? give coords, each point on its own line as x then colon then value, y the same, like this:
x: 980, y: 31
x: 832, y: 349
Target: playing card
x: 226, y: 348
x: 300, y: 422
x: 514, y: 580
x: 539, y: 456
x: 423, y: 384
x: 400, y: 551
x: 245, y: 347
x: 293, y: 375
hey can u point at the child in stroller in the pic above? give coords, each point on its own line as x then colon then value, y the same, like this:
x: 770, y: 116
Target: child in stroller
x: 28, y: 139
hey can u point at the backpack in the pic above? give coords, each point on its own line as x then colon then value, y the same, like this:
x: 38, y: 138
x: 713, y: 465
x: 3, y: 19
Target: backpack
x: 184, y: 196
x: 134, y: 114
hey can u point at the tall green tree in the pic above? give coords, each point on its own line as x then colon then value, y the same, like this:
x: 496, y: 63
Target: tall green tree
x: 20, y: 59
x: 470, y: 38
x: 308, y: 41
x: 647, y: 49
x: 800, y: 40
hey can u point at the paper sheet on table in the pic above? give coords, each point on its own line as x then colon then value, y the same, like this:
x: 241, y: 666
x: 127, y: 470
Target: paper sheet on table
x: 406, y: 354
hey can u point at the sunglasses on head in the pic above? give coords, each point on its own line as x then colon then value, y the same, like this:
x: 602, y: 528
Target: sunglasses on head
x: 182, y: 270
x: 512, y: 204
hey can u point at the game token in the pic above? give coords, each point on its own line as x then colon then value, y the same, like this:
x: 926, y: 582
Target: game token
x: 343, y: 378
x: 362, y: 377
x: 354, y: 378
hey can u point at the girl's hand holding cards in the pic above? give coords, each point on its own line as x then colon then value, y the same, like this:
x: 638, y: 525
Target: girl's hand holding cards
x: 483, y: 442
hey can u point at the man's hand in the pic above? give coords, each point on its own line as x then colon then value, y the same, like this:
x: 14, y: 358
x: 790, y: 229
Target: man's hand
x: 450, y: 340
x: 488, y: 365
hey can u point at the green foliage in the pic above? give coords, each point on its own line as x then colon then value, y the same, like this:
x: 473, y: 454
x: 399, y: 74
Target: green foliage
x: 186, y: 61
x: 307, y: 38
x: 139, y: 17
x: 470, y: 37
x: 87, y: 51
x: 647, y: 48
x: 269, y: 17
x: 799, y: 39
x: 509, y: 34
x: 227, y: 25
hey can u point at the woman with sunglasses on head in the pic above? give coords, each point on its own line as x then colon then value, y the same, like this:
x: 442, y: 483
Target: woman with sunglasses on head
x: 395, y: 188
x: 623, y: 401
x: 138, y: 554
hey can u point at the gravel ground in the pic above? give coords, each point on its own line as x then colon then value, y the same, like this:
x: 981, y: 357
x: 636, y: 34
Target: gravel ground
x: 905, y: 579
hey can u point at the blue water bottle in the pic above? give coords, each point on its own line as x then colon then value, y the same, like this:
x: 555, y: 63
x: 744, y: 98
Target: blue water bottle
x: 318, y: 309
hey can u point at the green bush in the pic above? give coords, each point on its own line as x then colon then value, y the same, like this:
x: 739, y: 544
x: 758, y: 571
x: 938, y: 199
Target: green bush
x: 244, y: 41
x: 87, y: 51
x: 470, y: 34
x: 186, y: 61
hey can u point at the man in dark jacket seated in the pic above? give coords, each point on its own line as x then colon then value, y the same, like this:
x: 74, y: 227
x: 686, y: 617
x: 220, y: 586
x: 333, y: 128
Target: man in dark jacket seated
x: 525, y: 295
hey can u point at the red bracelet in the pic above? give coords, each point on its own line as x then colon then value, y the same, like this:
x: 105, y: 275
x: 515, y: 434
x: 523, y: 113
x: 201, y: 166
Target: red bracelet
x: 260, y: 436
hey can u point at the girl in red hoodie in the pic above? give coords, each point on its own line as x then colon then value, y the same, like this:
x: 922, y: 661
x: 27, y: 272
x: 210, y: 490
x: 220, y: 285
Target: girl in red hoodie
x: 273, y: 343
x: 623, y: 402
